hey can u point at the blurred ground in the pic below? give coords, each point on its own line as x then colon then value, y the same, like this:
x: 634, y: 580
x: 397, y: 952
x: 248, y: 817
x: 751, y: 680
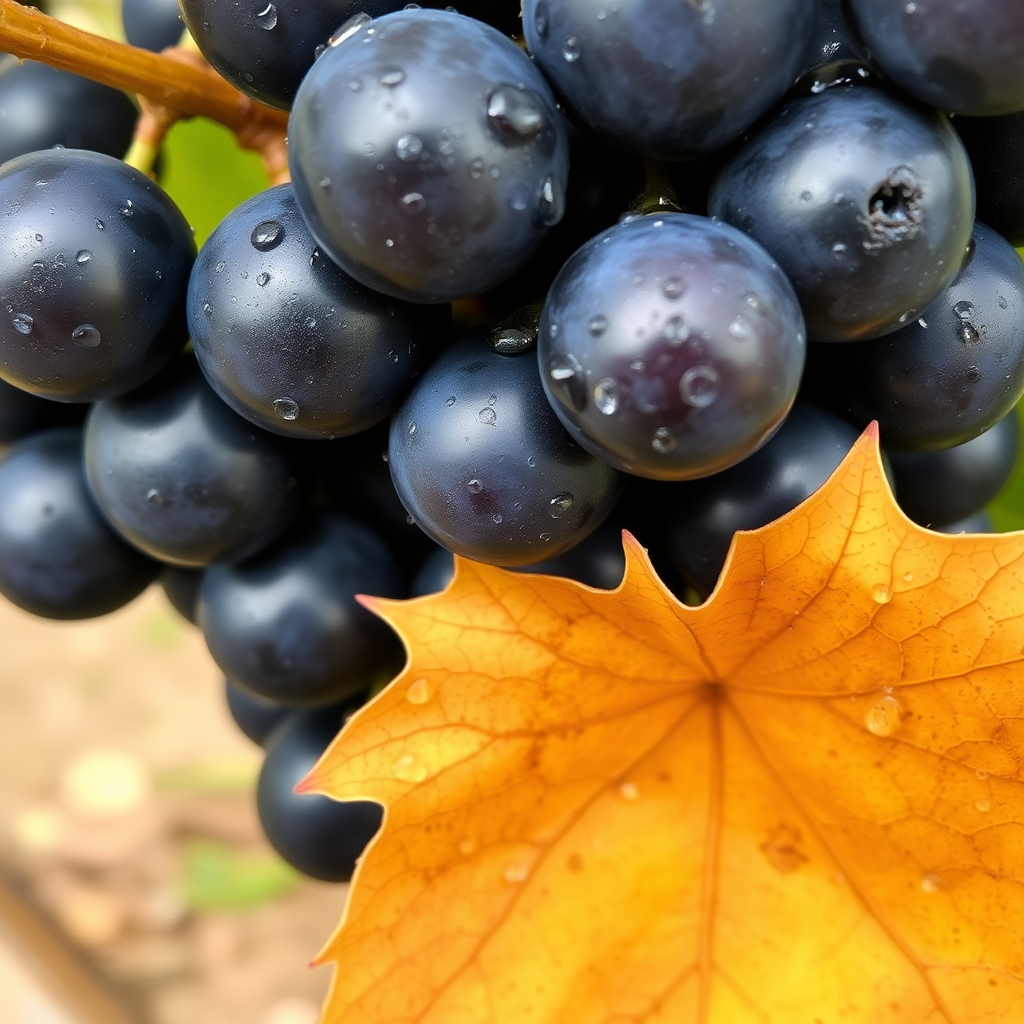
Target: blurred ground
x: 127, y: 815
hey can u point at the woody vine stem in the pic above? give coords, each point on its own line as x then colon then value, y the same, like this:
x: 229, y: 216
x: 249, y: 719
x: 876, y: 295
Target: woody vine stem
x: 171, y: 86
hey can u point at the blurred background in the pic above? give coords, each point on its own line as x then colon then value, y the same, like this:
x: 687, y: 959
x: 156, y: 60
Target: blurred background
x: 135, y: 884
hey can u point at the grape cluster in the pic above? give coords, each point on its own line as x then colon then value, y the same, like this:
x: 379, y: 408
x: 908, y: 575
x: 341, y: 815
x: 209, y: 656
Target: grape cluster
x: 654, y: 269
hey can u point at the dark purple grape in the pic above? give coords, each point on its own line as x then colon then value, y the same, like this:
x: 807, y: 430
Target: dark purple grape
x: 832, y: 42
x: 669, y: 79
x: 947, y: 376
x: 181, y: 588
x: 288, y: 339
x: 485, y: 468
x: 94, y: 264
x: 962, y: 57
x: 58, y: 558
x: 286, y: 626
x: 671, y: 346
x: 41, y: 107
x: 866, y: 202
x: 264, y: 47
x: 996, y: 148
x: 938, y: 488
x: 316, y: 835
x: 256, y: 718
x: 182, y: 477
x: 702, y: 515
x: 152, y: 24
x: 427, y: 154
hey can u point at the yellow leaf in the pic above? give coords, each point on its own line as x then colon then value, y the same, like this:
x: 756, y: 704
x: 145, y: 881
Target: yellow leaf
x: 798, y: 803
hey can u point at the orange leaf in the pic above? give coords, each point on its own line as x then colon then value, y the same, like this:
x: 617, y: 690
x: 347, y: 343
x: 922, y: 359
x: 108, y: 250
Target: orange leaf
x: 799, y: 802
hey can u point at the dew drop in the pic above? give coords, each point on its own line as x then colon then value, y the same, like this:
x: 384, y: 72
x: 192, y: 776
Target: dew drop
x: 606, y: 395
x: 83, y: 256
x: 969, y: 334
x: 408, y: 769
x: 674, y: 330
x: 740, y: 327
x: 286, y: 408
x: 638, y: 366
x: 571, y: 49
x: 908, y: 577
x: 931, y: 882
x: 673, y: 288
x: 86, y: 335
x: 560, y: 504
x: 413, y: 202
x: 309, y: 323
x: 629, y: 792
x: 267, y: 235
x: 219, y: 268
x: 663, y: 442
x: 549, y: 204
x: 805, y: 196
x: 881, y: 593
x: 514, y: 115
x: 408, y: 147
x: 267, y: 18
x: 545, y: 537
x: 22, y: 323
x: 516, y: 872
x: 100, y: 226
x: 349, y: 28
x: 540, y: 19
x: 127, y: 209
x: 419, y: 692
x: 263, y: 279
x: 531, y: 462
x: 883, y: 717
x: 598, y: 325
x: 496, y: 519
x: 698, y: 387
x: 983, y: 804
x: 638, y: 279
x: 1001, y: 302
x: 410, y: 432
x: 839, y: 248
x: 392, y: 77
x: 487, y: 415
x: 519, y: 200
x: 566, y: 376
x: 450, y: 401
x: 476, y: 168
x: 207, y: 309
x: 154, y: 497
x: 474, y: 486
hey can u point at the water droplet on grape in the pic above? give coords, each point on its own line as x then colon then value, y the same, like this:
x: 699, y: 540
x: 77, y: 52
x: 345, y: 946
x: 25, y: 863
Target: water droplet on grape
x: 969, y: 334
x: 86, y: 335
x: 474, y: 486
x: 487, y: 415
x: 263, y: 279
x: 881, y: 593
x: 219, y: 268
x: 805, y: 196
x: 698, y: 387
x: 267, y: 18
x: 450, y: 401
x: 931, y: 882
x: 519, y: 200
x: 560, y: 504
x: 1001, y: 302
x: 549, y: 205
x: 408, y: 769
x: 83, y: 256
x: 100, y: 226
x: 392, y: 77
x: 598, y: 325
x: 606, y: 395
x: 309, y: 323
x: 883, y: 717
x: 408, y: 147
x: 531, y: 462
x: 566, y: 376
x: 128, y: 209
x: 983, y: 804
x: 476, y: 168
x: 638, y: 366
x: 154, y: 497
x: 348, y: 28
x: 540, y: 19
x: 267, y: 235
x: 515, y: 115
x: 571, y: 50
x: 839, y: 248
x: 740, y: 328
x: 674, y: 330
x: 207, y: 309
x: 908, y: 577
x: 22, y: 323
x: 286, y: 408
x: 496, y: 519
x: 413, y: 202
x: 419, y: 692
x: 663, y: 442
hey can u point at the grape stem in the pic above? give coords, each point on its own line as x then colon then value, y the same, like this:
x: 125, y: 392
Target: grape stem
x: 171, y: 86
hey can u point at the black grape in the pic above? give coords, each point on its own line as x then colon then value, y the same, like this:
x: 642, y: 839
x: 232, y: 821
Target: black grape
x: 286, y: 625
x: 288, y: 339
x: 485, y: 468
x: 316, y: 835
x: 41, y: 107
x: 183, y: 477
x: 669, y: 79
x: 866, y: 201
x: 671, y: 346
x: 947, y: 376
x: 263, y: 47
x: 427, y: 154
x: 181, y: 588
x: 701, y: 516
x: 94, y: 264
x: 152, y: 24
x: 255, y: 717
x: 966, y: 58
x: 58, y: 558
x: 943, y: 487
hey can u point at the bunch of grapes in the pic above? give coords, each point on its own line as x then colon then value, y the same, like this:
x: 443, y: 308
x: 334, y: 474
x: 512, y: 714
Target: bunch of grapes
x: 643, y: 264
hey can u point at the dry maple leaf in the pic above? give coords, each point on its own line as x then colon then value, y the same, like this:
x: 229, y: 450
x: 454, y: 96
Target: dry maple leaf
x: 798, y: 802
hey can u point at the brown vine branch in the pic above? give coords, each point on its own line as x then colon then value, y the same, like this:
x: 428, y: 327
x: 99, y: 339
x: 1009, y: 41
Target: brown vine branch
x: 170, y: 86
